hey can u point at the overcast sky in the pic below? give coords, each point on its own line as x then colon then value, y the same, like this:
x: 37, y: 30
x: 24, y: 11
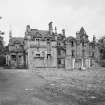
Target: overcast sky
x: 68, y: 14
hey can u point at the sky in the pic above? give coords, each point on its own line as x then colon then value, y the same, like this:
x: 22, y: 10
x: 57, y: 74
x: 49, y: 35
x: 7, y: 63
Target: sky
x: 70, y: 15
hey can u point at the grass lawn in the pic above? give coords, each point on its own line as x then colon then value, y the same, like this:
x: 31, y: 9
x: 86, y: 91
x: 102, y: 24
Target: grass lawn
x: 52, y: 87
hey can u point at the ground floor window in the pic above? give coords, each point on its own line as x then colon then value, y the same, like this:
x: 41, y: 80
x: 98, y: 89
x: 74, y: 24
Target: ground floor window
x: 59, y: 61
x: 48, y: 56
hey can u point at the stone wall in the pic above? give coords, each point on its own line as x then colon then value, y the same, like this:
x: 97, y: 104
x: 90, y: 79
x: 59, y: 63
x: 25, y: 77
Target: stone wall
x: 41, y: 57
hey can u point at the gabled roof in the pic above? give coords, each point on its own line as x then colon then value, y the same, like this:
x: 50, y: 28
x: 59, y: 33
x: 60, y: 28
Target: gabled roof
x: 18, y: 40
x: 70, y: 38
x: 82, y: 31
x: 36, y: 32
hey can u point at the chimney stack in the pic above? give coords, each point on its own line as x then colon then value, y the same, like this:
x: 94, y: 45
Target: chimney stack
x: 28, y: 28
x: 50, y: 28
x: 55, y: 30
x: 10, y: 34
x: 63, y: 32
x: 94, y: 38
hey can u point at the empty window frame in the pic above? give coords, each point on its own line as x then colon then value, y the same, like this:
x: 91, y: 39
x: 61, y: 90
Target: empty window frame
x: 37, y: 55
x: 73, y: 53
x: 72, y: 44
x: 59, y: 61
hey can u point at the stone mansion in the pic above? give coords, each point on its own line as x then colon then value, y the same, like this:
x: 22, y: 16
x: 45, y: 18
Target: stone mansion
x: 49, y: 49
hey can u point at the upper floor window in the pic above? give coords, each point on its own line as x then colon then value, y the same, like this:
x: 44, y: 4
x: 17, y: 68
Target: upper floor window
x: 13, y: 57
x: 72, y: 43
x: 83, y: 52
x: 17, y: 46
x: 83, y: 44
x: 37, y: 39
x: 48, y: 40
x: 37, y: 55
x: 93, y: 54
x: 48, y: 56
x: 58, y: 44
x: 59, y: 52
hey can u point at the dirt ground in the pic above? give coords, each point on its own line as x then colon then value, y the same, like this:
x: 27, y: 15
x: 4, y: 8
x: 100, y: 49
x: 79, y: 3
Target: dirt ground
x: 52, y: 87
